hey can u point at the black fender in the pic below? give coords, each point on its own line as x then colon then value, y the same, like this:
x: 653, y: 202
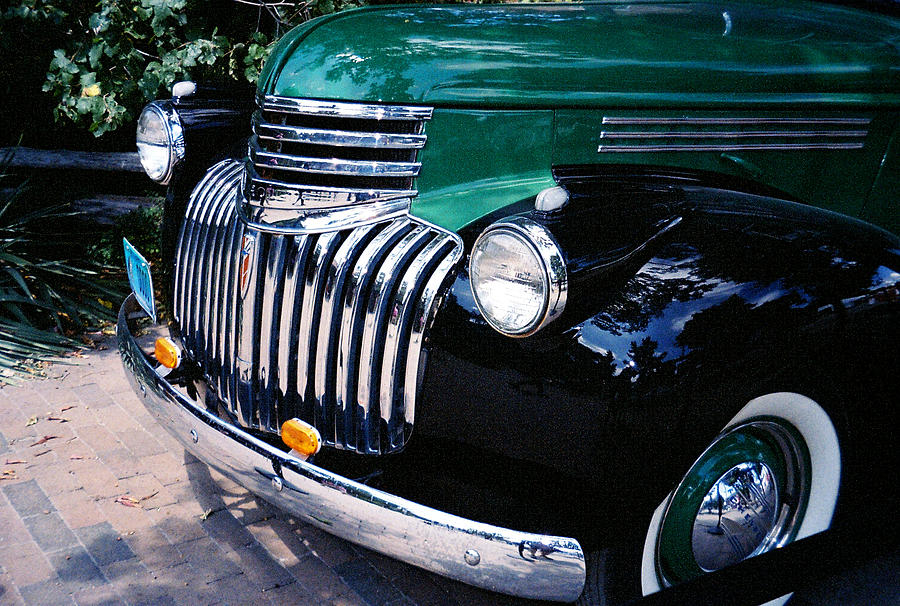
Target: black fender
x: 686, y: 301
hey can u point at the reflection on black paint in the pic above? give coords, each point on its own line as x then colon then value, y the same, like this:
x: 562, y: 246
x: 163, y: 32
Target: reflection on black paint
x: 743, y: 298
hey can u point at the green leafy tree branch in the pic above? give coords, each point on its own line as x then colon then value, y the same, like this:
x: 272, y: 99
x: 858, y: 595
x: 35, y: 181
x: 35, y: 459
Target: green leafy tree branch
x: 119, y: 54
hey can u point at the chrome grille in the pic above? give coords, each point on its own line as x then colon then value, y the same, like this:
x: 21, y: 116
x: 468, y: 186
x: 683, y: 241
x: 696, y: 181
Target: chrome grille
x: 325, y: 327
x: 317, y: 165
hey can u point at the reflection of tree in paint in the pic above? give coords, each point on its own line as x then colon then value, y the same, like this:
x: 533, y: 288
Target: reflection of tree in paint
x: 735, y: 292
x: 647, y: 366
x: 647, y: 295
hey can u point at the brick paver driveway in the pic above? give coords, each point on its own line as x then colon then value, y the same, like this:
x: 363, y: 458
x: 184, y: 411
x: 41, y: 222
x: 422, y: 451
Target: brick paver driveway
x: 98, y: 505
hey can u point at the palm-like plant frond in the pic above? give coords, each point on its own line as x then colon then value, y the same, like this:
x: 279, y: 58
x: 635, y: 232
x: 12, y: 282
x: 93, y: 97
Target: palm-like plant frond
x: 48, y: 292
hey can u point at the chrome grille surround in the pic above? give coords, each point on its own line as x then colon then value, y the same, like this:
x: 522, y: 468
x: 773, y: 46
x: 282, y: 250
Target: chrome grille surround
x: 326, y: 327
x: 316, y: 166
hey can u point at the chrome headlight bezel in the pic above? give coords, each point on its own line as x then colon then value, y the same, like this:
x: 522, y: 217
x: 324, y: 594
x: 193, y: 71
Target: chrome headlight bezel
x: 551, y: 271
x: 170, y: 123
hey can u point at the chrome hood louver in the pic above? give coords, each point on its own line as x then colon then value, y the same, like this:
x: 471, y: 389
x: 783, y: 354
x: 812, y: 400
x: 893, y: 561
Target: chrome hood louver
x: 315, y: 166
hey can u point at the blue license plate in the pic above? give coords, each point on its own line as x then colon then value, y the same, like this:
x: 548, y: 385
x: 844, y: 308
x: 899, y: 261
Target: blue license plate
x: 140, y: 279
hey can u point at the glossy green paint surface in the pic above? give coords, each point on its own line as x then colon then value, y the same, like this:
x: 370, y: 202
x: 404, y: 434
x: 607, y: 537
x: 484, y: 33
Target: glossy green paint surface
x: 284, y: 49
x: 521, y: 88
x: 621, y: 55
x: 479, y: 161
x: 838, y: 180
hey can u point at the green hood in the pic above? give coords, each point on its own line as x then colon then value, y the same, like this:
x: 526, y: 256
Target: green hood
x: 641, y: 54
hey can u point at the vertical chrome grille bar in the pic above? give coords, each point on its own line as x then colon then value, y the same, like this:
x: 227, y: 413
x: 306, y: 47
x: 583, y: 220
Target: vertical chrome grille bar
x: 230, y: 174
x: 213, y: 259
x: 289, y: 327
x: 358, y: 435
x: 372, y: 346
x: 184, y: 240
x: 320, y: 258
x: 213, y: 283
x: 427, y: 304
x: 190, y: 268
x: 215, y: 280
x: 229, y: 277
x: 249, y: 269
x: 196, y: 284
x: 393, y: 362
x: 329, y: 326
x: 235, y: 307
x: 273, y: 288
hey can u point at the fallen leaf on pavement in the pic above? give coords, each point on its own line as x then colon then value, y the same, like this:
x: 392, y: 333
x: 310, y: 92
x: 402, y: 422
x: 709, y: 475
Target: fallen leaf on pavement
x: 76, y: 458
x: 31, y: 421
x: 15, y: 461
x: 8, y: 474
x: 70, y: 407
x: 128, y: 501
x: 44, y: 439
x: 55, y: 418
x: 43, y: 452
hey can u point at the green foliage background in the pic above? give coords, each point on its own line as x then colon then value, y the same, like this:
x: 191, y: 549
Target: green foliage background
x: 51, y: 292
x: 98, y: 62
x: 91, y: 65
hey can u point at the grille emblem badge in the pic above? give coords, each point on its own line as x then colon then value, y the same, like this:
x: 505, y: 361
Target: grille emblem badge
x: 248, y: 250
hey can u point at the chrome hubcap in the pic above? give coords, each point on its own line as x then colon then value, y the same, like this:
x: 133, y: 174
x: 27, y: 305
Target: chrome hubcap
x: 745, y: 495
x: 735, y: 516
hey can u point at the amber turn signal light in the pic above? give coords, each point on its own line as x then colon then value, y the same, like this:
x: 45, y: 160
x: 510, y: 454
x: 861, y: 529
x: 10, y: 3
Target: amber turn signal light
x: 302, y: 437
x: 167, y: 352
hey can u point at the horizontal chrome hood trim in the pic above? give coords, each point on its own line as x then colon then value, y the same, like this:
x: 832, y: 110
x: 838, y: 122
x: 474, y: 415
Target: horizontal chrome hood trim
x: 285, y: 211
x: 727, y: 121
x: 744, y: 134
x: 729, y: 147
x: 650, y: 134
x: 315, y: 107
x: 335, y: 138
x: 333, y: 166
x: 509, y: 561
x: 289, y: 196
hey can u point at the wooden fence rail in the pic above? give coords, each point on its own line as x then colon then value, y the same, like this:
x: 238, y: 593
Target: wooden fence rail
x: 26, y: 157
x: 102, y: 208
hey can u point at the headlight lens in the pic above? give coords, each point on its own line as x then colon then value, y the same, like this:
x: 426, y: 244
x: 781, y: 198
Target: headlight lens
x: 160, y: 141
x: 518, y: 276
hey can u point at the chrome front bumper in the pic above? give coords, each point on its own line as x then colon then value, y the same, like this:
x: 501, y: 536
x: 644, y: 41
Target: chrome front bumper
x: 499, y: 559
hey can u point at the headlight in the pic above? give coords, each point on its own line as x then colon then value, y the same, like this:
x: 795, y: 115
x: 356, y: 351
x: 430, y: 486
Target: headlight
x: 160, y: 140
x: 518, y: 276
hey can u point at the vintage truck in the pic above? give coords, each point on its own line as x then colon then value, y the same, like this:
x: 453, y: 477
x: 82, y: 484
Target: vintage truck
x: 566, y: 301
